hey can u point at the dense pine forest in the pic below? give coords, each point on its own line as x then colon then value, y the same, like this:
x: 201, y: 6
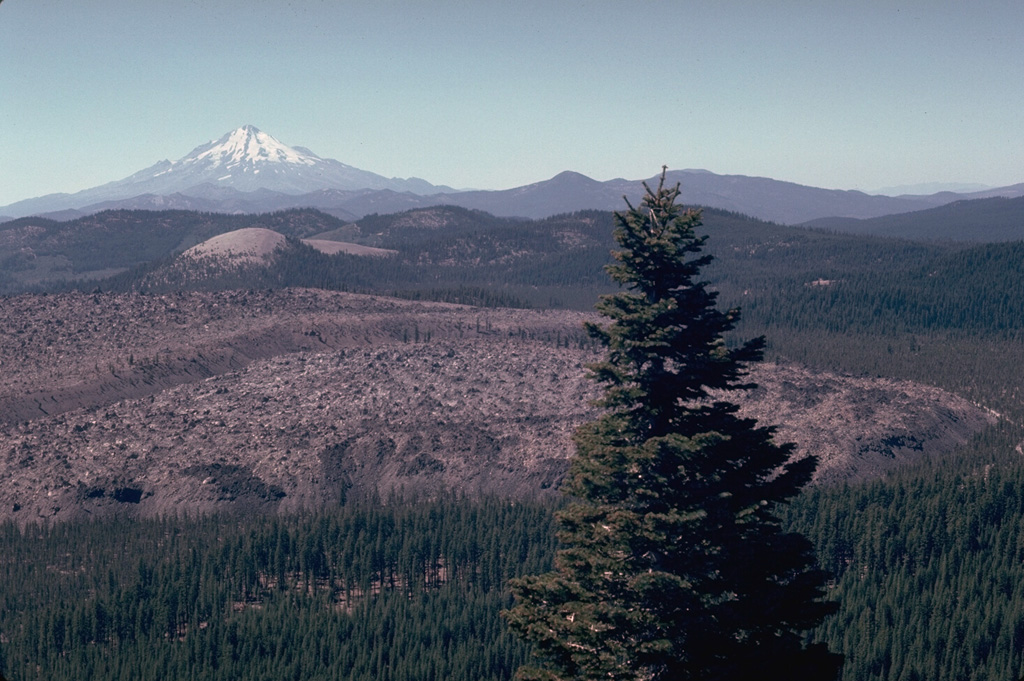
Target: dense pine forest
x: 927, y: 565
x: 928, y: 569
x: 397, y: 591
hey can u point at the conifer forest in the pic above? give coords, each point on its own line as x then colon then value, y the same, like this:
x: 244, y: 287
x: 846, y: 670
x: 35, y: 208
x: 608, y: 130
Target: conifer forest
x: 921, y: 571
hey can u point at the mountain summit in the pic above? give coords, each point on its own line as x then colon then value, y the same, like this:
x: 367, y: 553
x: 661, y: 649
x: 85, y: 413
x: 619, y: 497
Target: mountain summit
x: 247, y: 159
x: 243, y: 160
x: 246, y: 149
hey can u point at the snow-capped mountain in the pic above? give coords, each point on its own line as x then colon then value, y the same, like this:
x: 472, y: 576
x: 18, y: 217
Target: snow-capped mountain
x: 246, y: 160
x: 249, y: 171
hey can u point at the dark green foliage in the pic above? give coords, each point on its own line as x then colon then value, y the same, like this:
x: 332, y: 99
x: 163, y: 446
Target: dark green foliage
x: 674, y: 564
x: 928, y: 566
x: 913, y: 289
x: 408, y: 591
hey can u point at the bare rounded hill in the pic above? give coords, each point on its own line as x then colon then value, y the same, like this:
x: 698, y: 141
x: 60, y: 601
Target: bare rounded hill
x: 260, y: 400
x: 257, y: 244
x: 251, y: 244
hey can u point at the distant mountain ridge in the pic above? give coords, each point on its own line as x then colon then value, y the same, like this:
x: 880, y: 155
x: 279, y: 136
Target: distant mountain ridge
x: 931, y: 188
x: 249, y: 171
x: 985, y: 220
x: 244, y: 160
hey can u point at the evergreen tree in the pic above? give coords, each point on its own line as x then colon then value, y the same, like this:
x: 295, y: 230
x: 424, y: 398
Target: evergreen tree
x: 674, y: 564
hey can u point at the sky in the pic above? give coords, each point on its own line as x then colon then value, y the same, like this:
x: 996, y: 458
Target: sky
x: 472, y: 93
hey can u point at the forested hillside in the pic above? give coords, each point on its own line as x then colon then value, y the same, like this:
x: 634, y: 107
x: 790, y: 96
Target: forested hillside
x: 925, y: 563
x: 403, y: 591
x: 928, y: 566
x: 37, y: 254
x: 782, y: 276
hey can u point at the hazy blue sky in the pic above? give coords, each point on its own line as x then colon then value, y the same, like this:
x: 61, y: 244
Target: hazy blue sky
x: 850, y: 94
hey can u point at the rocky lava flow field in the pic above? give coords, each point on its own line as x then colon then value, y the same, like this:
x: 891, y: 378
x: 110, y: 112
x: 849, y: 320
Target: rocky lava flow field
x: 283, y: 400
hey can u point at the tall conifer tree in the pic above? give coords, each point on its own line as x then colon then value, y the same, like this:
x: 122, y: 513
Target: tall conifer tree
x: 674, y: 564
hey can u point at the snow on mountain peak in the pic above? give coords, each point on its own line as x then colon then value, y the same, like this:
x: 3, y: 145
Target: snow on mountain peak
x: 244, y: 160
x: 248, y: 159
x: 247, y: 145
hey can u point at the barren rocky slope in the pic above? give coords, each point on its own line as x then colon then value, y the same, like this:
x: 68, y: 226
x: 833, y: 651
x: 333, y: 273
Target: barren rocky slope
x: 282, y: 400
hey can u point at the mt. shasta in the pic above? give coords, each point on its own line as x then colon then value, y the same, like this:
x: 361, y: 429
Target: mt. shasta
x: 245, y: 160
x: 248, y: 159
x: 249, y: 171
